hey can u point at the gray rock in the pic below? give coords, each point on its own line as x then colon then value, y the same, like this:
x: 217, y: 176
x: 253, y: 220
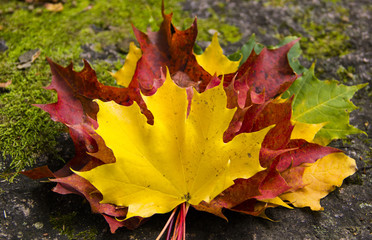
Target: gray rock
x: 3, y: 46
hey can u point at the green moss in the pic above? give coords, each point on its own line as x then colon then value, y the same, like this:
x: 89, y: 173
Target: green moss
x: 217, y: 22
x: 276, y: 3
x: 368, y: 160
x: 86, y: 235
x: 282, y: 3
x: 27, y: 132
x: 345, y: 74
x: 325, y: 38
x: 332, y: 1
x: 64, y: 224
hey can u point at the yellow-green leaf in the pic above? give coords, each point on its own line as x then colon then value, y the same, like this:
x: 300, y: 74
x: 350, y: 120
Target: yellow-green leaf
x: 328, y: 102
x: 321, y: 178
x: 305, y: 131
x: 176, y: 160
x: 125, y: 74
x: 213, y: 60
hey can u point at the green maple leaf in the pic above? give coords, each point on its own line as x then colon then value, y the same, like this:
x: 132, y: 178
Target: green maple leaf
x: 327, y: 102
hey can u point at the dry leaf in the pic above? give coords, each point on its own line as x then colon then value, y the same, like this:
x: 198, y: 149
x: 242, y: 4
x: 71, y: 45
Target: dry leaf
x: 6, y: 84
x: 54, y: 7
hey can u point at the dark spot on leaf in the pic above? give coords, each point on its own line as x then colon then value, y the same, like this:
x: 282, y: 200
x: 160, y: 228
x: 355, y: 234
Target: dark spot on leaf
x: 187, y: 197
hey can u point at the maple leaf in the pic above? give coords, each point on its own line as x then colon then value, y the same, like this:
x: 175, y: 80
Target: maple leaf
x: 77, y: 185
x: 83, y: 87
x: 75, y: 111
x: 282, y: 156
x: 175, y: 161
x: 326, y: 102
x: 240, y: 197
x: 268, y: 74
x: 214, y: 61
x: 125, y: 74
x: 306, y: 131
x: 321, y: 178
x: 318, y: 178
x: 78, y: 113
x: 171, y: 48
x: 260, y: 79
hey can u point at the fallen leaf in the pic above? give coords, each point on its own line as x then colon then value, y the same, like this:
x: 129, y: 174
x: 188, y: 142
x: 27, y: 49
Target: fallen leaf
x: 213, y: 60
x: 320, y: 178
x: 6, y: 84
x: 267, y: 73
x: 306, y: 131
x: 38, y: 173
x: 82, y: 87
x: 282, y: 157
x: 159, y: 167
x: 74, y: 110
x: 328, y: 102
x: 74, y: 184
x: 125, y: 74
x: 54, y: 7
x: 171, y: 48
x: 77, y: 111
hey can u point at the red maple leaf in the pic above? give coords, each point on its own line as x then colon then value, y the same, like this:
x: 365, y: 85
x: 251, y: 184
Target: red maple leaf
x: 172, y: 48
x: 282, y: 157
x: 74, y: 184
x: 262, y: 76
x: 75, y: 108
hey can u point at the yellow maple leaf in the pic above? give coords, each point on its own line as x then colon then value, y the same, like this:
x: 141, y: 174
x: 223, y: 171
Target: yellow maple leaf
x: 320, y: 179
x: 125, y: 74
x: 176, y: 160
x: 277, y: 201
x: 305, y: 131
x: 213, y: 60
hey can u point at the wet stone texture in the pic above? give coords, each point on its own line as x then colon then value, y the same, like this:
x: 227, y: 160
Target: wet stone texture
x: 29, y: 210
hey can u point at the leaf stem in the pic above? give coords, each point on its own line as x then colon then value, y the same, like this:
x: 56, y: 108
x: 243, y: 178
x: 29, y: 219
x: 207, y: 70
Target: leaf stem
x: 178, y: 224
x: 170, y: 229
x: 171, y: 218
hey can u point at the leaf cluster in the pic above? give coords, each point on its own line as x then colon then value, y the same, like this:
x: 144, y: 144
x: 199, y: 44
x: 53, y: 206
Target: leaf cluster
x: 201, y: 131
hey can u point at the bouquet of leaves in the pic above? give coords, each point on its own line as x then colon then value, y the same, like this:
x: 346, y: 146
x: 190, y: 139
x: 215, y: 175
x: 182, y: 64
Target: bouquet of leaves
x: 200, y: 130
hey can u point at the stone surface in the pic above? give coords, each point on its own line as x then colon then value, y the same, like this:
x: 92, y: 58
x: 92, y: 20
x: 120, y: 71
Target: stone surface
x: 3, y: 46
